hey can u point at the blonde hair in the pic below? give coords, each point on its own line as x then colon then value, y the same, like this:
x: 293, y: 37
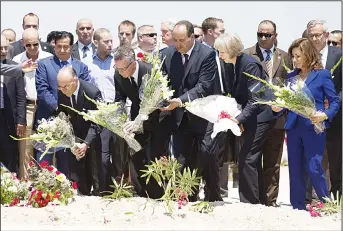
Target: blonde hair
x: 230, y: 43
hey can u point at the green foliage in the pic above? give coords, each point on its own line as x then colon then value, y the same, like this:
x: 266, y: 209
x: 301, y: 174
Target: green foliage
x: 121, y: 190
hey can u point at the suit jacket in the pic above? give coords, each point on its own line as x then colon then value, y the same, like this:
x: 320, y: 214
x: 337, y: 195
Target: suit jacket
x: 320, y: 85
x: 334, y: 54
x: 14, y: 99
x: 75, y: 50
x: 124, y: 88
x: 238, y: 85
x: 85, y: 130
x: 19, y: 48
x: 279, y: 74
x: 10, y: 52
x: 198, y: 80
x: 12, y: 70
x: 46, y: 83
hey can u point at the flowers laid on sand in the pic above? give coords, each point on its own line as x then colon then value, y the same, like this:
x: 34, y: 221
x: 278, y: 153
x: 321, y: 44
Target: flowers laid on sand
x: 45, y: 185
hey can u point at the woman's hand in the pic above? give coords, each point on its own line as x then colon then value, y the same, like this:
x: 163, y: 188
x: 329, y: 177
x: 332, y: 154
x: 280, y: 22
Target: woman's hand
x: 318, y: 117
x: 276, y: 108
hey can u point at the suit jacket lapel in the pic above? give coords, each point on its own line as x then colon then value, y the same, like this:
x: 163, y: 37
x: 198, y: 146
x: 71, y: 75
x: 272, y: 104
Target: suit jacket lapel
x: 313, y: 74
x: 80, y: 98
x: 192, y: 58
x: 75, y: 51
x: 56, y: 63
x: 259, y: 54
x: 329, y: 60
x: 276, y: 61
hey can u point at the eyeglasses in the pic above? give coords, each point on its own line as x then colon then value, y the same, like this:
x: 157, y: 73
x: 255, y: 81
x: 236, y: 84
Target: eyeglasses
x: 123, y: 68
x: 66, y: 87
x: 196, y: 35
x: 333, y: 43
x: 151, y: 35
x: 318, y: 36
x: 34, y: 45
x: 266, y: 35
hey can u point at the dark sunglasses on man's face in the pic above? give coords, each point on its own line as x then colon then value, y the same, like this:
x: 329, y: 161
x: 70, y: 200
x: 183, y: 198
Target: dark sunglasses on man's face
x: 34, y: 44
x: 151, y: 35
x: 196, y: 35
x: 266, y: 35
x: 333, y: 43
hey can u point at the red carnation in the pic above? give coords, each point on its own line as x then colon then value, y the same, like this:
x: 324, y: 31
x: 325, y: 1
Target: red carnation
x: 224, y: 115
x: 31, y: 163
x: 58, y: 172
x: 140, y: 55
x: 50, y: 168
x: 43, y: 164
x: 74, y: 185
x: 57, y: 195
x: 14, y: 202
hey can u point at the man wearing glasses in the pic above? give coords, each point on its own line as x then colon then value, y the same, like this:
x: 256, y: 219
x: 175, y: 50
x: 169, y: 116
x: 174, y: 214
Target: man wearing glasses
x: 335, y: 38
x: 46, y: 86
x: 271, y: 58
x: 147, y: 39
x: 30, y: 40
x: 330, y: 56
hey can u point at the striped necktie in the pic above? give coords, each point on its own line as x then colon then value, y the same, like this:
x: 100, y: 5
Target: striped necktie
x: 269, y: 65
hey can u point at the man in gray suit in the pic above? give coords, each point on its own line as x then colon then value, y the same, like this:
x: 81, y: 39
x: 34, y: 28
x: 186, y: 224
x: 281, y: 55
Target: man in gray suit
x: 14, y: 70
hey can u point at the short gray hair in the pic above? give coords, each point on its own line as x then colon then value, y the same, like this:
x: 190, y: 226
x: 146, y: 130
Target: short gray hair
x: 312, y: 23
x: 170, y: 23
x: 230, y: 43
x: 124, y: 53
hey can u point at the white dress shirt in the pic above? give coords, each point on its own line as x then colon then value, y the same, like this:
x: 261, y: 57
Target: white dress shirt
x: 29, y: 78
x: 2, y: 105
x: 135, y: 74
x: 324, y: 55
x: 89, y: 52
x: 76, y: 92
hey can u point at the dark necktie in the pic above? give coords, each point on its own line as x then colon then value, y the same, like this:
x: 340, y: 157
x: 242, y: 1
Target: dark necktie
x: 64, y: 63
x: 133, y: 82
x: 269, y: 65
x: 85, y: 49
x: 186, y: 62
x: 73, y: 100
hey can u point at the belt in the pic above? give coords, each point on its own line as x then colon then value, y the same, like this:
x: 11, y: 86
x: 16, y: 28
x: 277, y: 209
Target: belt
x: 33, y: 102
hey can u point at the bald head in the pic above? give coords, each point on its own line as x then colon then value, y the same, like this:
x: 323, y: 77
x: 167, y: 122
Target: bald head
x: 67, y: 80
x: 3, y: 40
x: 30, y: 33
x: 10, y: 34
x: 84, y: 31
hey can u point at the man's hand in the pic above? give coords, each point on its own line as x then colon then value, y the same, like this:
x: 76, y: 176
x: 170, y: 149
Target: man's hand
x: 129, y: 127
x: 318, y: 117
x: 326, y: 104
x: 237, y: 122
x: 173, y: 103
x: 81, y: 151
x: 276, y: 108
x: 21, y: 130
x: 28, y: 66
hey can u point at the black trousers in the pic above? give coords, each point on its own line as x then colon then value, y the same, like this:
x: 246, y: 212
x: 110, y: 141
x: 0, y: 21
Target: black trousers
x: 251, y: 182
x: 9, y: 153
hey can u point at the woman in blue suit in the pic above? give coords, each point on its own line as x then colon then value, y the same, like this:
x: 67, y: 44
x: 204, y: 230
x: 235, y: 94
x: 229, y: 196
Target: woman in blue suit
x: 305, y: 146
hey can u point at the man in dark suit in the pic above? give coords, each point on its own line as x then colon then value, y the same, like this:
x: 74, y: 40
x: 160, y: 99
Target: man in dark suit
x: 330, y: 56
x: 30, y: 20
x: 192, y: 71
x: 84, y: 48
x: 243, y: 89
x: 46, y: 85
x: 12, y: 112
x: 71, y: 93
x: 272, y: 59
x: 17, y: 69
x: 128, y: 79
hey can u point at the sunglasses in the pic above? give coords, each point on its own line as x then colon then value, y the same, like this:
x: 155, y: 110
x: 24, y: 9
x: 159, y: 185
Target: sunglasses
x: 151, y: 35
x: 333, y: 43
x: 34, y: 45
x: 266, y: 35
x: 196, y: 35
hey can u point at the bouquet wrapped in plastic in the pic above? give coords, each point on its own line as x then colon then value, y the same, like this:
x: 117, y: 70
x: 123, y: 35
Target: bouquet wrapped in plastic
x: 294, y: 96
x: 53, y: 134
x: 218, y: 110
x: 112, y: 117
x: 153, y: 92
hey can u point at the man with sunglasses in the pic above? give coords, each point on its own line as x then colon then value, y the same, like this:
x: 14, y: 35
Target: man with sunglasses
x: 198, y: 33
x: 330, y: 56
x: 335, y: 38
x: 30, y: 40
x: 271, y: 58
x: 147, y: 39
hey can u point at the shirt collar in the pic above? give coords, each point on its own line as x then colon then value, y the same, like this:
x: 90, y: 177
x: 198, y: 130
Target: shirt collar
x: 95, y: 56
x: 263, y: 50
x: 325, y: 50
x: 135, y: 74
x: 69, y: 60
x: 77, y: 89
x: 81, y: 45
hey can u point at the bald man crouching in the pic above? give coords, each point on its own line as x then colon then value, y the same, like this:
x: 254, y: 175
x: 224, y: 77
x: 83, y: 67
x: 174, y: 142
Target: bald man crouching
x: 71, y: 93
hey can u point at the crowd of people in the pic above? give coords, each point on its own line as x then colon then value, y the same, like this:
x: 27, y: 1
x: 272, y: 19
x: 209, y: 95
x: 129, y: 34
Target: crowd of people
x: 200, y: 60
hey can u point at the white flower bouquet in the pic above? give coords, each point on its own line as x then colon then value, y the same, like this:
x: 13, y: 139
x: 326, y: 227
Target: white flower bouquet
x: 112, y: 117
x: 218, y: 110
x: 53, y: 134
x: 294, y: 96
